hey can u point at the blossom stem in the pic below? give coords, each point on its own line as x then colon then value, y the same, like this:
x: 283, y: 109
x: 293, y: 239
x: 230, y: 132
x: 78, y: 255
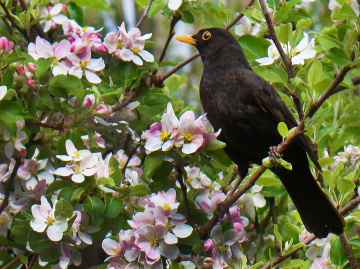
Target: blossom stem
x: 145, y: 13
x: 59, y: 127
x: 179, y: 171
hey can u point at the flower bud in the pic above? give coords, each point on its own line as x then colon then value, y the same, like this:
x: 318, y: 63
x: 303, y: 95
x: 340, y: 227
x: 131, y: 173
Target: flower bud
x: 30, y: 82
x: 209, y: 244
x: 20, y: 70
x: 103, y: 110
x: 99, y: 48
x: 74, y: 102
x: 64, y: 8
x: 78, y: 46
x: 208, y: 262
x: 31, y: 67
x: 6, y: 44
x: 89, y: 100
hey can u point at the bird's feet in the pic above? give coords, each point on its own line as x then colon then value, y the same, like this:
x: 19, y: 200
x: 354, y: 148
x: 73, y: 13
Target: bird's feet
x: 275, y: 156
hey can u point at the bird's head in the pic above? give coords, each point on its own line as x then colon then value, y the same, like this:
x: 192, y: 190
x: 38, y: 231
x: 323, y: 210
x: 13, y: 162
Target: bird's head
x: 216, y: 45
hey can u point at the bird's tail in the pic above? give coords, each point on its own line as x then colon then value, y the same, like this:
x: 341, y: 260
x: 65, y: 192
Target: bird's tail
x: 317, y: 212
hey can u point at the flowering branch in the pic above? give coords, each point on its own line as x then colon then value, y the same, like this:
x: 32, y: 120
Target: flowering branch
x: 230, y: 200
x: 59, y: 127
x: 179, y: 171
x: 9, y: 16
x: 145, y: 13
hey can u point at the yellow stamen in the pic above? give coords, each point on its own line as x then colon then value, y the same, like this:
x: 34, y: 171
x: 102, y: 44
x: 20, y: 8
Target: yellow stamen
x: 164, y: 135
x: 84, y: 64
x: 119, y: 44
x: 49, y: 220
x: 221, y: 248
x: 135, y: 49
x: 166, y: 206
x: 154, y: 241
x: 188, y: 138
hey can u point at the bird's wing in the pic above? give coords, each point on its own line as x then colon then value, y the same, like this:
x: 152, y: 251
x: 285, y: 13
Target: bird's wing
x: 270, y: 101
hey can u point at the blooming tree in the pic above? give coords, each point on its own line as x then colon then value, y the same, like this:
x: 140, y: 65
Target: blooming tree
x: 108, y: 161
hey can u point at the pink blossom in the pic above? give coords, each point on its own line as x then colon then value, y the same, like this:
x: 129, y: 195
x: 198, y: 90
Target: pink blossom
x: 31, y: 66
x: 6, y: 170
x: 97, y: 138
x: 5, y: 44
x: 103, y: 110
x: 73, y: 153
x: 86, y: 66
x: 15, y: 142
x: 52, y: 16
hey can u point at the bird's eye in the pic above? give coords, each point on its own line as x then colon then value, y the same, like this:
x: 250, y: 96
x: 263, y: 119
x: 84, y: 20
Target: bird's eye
x: 206, y: 35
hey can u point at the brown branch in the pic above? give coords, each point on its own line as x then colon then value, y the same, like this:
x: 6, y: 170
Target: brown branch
x: 234, y: 172
x: 349, y: 252
x: 10, y: 17
x: 174, y: 20
x: 158, y: 80
x: 7, y: 24
x: 354, y: 79
x: 37, y: 25
x: 13, y: 4
x: 179, y: 171
x: 9, y: 184
x: 145, y: 13
x: 59, y: 127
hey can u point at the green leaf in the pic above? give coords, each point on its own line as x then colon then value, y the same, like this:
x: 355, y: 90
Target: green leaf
x: 57, y: 185
x: 337, y: 253
x: 338, y: 56
x: 285, y: 164
x: 42, y: 66
x: 345, y: 12
x: 70, y: 83
x: 123, y: 73
x: 315, y: 72
x: 254, y: 47
x: 77, y: 194
x: 284, y: 12
x: 50, y: 254
x: 139, y: 190
x: 23, y: 258
x: 326, y: 161
x: 97, y: 4
x: 284, y: 32
x: 114, y: 207
x: 76, y: 12
x: 11, y: 111
x: 163, y: 172
x: 293, y: 263
x: 156, y: 6
x: 282, y: 129
x: 277, y: 234
x: 94, y: 203
x: 11, y: 58
x: 267, y: 181
x: 152, y: 162
x: 214, y: 144
x: 63, y: 208
x: 345, y: 185
x: 37, y: 242
x: 153, y: 103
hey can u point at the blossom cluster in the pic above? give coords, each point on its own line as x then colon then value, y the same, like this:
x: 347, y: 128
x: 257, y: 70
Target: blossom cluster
x: 301, y: 52
x: 187, y: 132
x: 349, y: 157
x: 73, y: 55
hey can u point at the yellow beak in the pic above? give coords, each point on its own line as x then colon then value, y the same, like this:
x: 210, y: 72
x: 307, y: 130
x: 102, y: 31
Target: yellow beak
x: 186, y: 39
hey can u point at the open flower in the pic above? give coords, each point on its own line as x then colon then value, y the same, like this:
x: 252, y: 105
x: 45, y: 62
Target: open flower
x: 85, y: 65
x: 273, y: 55
x: 247, y: 26
x: 44, y: 219
x: 52, y: 16
x: 73, y: 153
x: 302, y: 51
x: 128, y: 46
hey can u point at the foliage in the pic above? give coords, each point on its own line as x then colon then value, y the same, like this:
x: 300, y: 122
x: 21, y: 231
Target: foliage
x: 96, y: 151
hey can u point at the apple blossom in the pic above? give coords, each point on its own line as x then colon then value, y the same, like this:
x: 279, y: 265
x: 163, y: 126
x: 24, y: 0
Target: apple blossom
x: 302, y: 51
x: 73, y: 153
x: 45, y: 219
x: 273, y: 55
x: 3, y: 91
x: 52, y: 16
x: 246, y: 26
x: 85, y: 65
x: 15, y: 142
x: 6, y: 170
x: 5, y: 44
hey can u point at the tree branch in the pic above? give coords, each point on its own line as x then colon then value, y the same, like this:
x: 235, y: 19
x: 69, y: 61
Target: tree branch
x: 59, y: 127
x: 179, y: 171
x: 349, y: 252
x: 145, y: 13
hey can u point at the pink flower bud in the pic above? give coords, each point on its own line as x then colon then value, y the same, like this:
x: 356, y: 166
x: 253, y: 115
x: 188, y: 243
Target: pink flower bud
x: 208, y: 262
x: 78, y: 46
x: 209, y: 244
x: 64, y: 8
x: 103, y: 110
x: 6, y: 44
x: 31, y: 67
x: 74, y: 102
x: 22, y: 153
x: 20, y: 70
x: 89, y: 100
x: 30, y: 82
x: 99, y: 48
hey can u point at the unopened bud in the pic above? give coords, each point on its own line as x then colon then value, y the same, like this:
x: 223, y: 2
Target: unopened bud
x: 78, y: 46
x: 103, y: 110
x: 20, y: 70
x: 30, y: 82
x: 6, y: 44
x: 89, y: 100
x: 99, y: 48
x: 31, y: 67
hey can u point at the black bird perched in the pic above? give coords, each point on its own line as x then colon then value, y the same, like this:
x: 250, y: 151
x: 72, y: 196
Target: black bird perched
x: 248, y: 110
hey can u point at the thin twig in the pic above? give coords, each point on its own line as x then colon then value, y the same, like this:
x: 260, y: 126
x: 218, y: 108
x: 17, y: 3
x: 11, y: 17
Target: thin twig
x: 129, y: 157
x: 234, y: 172
x: 145, y: 13
x: 179, y: 171
x: 33, y: 260
x: 174, y: 19
x: 7, y: 24
x: 354, y: 79
x: 59, y: 127
x: 12, y: 263
x: 37, y: 25
x: 10, y: 17
x: 352, y: 260
x: 9, y: 184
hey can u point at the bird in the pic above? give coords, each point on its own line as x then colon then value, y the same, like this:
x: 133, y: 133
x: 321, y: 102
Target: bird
x: 248, y: 110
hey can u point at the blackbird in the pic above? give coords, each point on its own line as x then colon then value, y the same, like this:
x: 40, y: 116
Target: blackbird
x: 248, y: 110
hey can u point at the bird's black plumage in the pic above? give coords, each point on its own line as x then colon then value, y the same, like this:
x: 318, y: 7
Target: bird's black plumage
x: 248, y: 110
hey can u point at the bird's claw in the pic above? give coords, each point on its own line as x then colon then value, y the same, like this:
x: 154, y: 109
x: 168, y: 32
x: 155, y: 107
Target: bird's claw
x: 275, y: 156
